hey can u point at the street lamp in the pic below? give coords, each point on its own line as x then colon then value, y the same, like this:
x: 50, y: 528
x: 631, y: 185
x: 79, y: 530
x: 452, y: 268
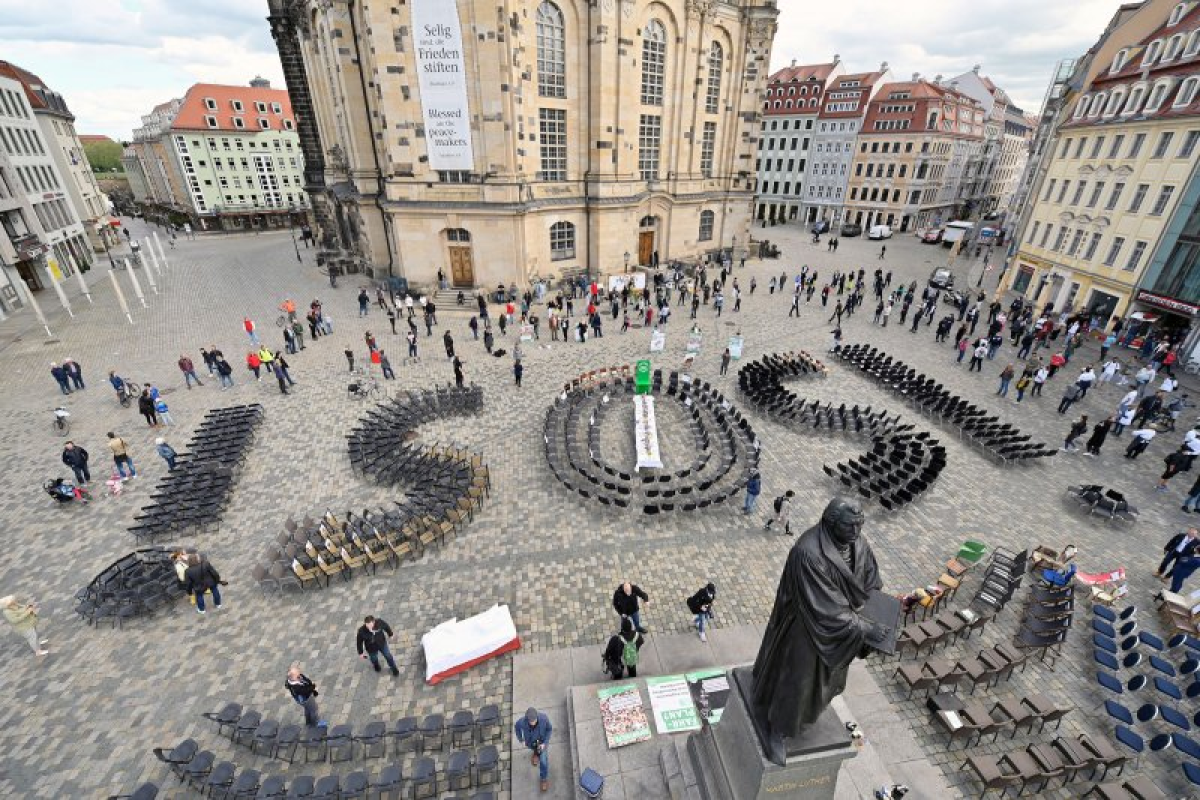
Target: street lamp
x: 733, y: 250
x: 627, y: 261
x: 292, y: 231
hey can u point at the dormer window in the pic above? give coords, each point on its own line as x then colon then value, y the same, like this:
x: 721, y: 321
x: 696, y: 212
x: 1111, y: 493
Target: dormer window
x: 1152, y: 53
x: 238, y: 123
x: 277, y: 108
x: 1193, y: 43
x: 1177, y: 14
x: 1174, y: 45
x: 1157, y: 95
x: 1119, y: 61
x: 237, y: 105
x: 210, y: 121
x: 287, y: 126
x: 264, y: 123
x: 1114, y: 103
x: 1135, y: 100
x: 260, y: 106
x: 1187, y: 92
x: 1082, y: 106
x: 1097, y: 105
x: 210, y: 104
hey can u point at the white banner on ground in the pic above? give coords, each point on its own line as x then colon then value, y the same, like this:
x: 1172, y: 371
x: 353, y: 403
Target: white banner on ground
x: 671, y: 704
x: 645, y: 433
x: 616, y: 283
x: 441, y: 75
x: 658, y: 341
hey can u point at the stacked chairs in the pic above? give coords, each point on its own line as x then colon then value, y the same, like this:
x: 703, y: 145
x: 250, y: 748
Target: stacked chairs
x: 137, y: 584
x: 727, y: 450
x: 1049, y: 614
x: 192, y: 497
x: 901, y: 463
x: 1001, y: 578
x: 1109, y: 503
x: 999, y: 439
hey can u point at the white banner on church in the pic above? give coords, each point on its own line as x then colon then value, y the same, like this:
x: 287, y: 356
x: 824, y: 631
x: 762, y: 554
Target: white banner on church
x: 441, y: 74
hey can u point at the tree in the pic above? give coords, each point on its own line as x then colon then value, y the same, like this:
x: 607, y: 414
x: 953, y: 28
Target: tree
x: 104, y: 155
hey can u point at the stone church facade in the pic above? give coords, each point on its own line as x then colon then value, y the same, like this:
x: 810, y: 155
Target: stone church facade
x: 499, y: 141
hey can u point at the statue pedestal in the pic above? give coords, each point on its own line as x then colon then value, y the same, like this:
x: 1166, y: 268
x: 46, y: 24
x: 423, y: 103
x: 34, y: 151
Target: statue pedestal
x: 732, y: 764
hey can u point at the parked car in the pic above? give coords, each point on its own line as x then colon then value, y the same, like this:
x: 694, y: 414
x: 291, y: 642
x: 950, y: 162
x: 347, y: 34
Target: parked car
x: 879, y: 232
x: 851, y: 229
x: 932, y: 236
x: 820, y: 226
x: 941, y: 278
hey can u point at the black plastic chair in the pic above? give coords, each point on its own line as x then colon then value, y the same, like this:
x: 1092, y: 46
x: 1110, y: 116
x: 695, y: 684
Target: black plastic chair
x: 389, y: 782
x: 220, y: 779
x: 356, y: 784
x: 458, y: 771
x: 302, y: 786
x: 433, y: 732
x: 423, y: 782
x: 227, y: 717
x: 488, y: 723
x: 373, y: 741
x: 245, y: 786
x: 327, y: 787
x: 340, y: 743
x: 487, y: 765
x: 407, y: 734
x: 462, y: 728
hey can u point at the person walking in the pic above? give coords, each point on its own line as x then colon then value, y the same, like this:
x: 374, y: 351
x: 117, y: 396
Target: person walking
x: 166, y: 451
x: 1141, y: 440
x: 621, y: 653
x: 77, y: 459
x: 1076, y: 430
x: 60, y: 375
x: 1023, y: 384
x: 121, y: 457
x: 23, y: 617
x: 281, y: 376
x: 533, y: 730
x: 458, y: 372
x: 254, y: 364
x: 783, y: 512
x: 626, y: 603
x: 372, y: 641
x: 1039, y: 381
x: 1069, y: 397
x: 1176, y: 462
x: 349, y: 358
x: 201, y: 577
x: 146, y: 408
x: 189, y: 371
x: 753, y: 490
x: 248, y: 326
x: 1085, y: 380
x: 700, y: 604
x: 1192, y: 501
x: 364, y: 303
x: 725, y: 358
x: 1096, y: 440
x: 882, y: 252
x: 304, y: 691
x: 1184, y: 545
x: 224, y: 371
x: 448, y: 341
x: 385, y: 364
x: 75, y: 373
x: 977, y: 356
x: 1148, y: 407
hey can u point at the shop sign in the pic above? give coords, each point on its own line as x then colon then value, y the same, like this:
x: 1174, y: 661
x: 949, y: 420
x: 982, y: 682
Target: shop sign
x: 1169, y: 303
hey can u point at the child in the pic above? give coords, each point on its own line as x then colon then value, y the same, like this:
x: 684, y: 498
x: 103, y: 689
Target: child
x: 164, y: 414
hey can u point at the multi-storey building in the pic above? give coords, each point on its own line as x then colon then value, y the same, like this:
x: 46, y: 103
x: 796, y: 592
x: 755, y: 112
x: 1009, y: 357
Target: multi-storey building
x: 1117, y: 168
x: 1170, y: 287
x: 789, y: 114
x: 566, y: 136
x: 58, y: 236
x: 908, y: 162
x: 991, y: 179
x: 222, y: 158
x: 832, y: 149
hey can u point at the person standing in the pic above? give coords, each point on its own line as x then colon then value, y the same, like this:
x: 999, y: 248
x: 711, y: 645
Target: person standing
x: 281, y: 376
x: 163, y: 411
x: 533, y: 730
x: 75, y: 373
x: 725, y: 358
x: 1193, y: 499
x: 1069, y: 397
x: 882, y: 252
x: 700, y: 604
x: 518, y: 371
x: 783, y: 512
x: 386, y: 365
x: 411, y: 338
x: 626, y: 603
x: 23, y: 617
x: 1183, y: 545
x: 753, y: 490
x: 201, y: 577
x: 60, y: 375
x: 977, y: 356
x: 1176, y: 462
x: 1099, y: 434
x: 349, y: 358
x: 391, y: 315
x: 166, y: 451
x: 77, y: 459
x: 248, y: 326
x: 448, y: 341
x: 146, y: 408
x: 189, y: 371
x: 224, y: 371
x: 1006, y: 376
x: 364, y: 303
x: 621, y: 653
x: 298, y: 333
x: 372, y: 641
x: 458, y: 373
x: 254, y: 364
x: 121, y: 458
x: 304, y: 692
x: 1141, y: 440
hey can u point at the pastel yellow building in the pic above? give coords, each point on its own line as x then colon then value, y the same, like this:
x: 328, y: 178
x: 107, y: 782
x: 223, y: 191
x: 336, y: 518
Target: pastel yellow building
x: 496, y: 141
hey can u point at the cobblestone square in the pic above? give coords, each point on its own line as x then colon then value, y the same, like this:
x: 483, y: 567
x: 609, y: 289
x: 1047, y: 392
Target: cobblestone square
x: 81, y: 722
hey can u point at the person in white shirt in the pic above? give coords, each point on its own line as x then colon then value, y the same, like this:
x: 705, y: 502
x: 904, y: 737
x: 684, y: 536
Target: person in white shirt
x: 1127, y: 401
x: 1141, y: 440
x: 1169, y: 384
x: 1110, y: 370
x: 1039, y: 380
x: 1086, y: 379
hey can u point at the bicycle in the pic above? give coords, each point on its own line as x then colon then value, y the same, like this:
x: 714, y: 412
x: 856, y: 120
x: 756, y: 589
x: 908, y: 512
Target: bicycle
x: 365, y: 388
x: 62, y: 425
x: 128, y: 392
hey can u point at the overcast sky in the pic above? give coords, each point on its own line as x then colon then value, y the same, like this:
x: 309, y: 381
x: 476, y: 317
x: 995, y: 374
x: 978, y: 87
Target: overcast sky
x: 115, y: 60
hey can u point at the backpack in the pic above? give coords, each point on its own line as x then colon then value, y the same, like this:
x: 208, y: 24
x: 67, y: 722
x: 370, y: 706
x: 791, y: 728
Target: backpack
x: 629, y: 656
x: 778, y: 504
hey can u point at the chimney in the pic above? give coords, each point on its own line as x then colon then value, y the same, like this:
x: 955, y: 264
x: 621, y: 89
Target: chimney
x: 837, y: 59
x: 916, y: 77
x: 975, y: 69
x: 259, y: 82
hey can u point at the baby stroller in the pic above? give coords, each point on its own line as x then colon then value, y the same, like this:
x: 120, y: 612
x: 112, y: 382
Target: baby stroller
x: 64, y: 491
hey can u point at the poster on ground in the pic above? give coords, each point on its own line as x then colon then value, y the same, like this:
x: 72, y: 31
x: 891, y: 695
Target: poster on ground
x: 710, y: 692
x: 658, y: 341
x: 671, y: 703
x: 623, y: 716
x: 527, y: 333
x: 695, y: 338
x: 735, y: 346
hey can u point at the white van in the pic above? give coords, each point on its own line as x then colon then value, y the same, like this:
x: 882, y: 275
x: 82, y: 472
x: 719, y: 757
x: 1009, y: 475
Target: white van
x: 956, y: 231
x: 879, y: 232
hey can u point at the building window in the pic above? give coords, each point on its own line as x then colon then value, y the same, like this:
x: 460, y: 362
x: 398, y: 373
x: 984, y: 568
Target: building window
x: 552, y: 130
x: 1114, y: 251
x: 551, y: 51
x: 1078, y: 193
x: 716, y: 60
x: 210, y: 121
x: 1189, y: 144
x: 562, y: 241
x: 1096, y: 192
x: 708, y: 146
x: 454, y: 176
x: 237, y: 105
x: 1115, y: 196
x: 1062, y: 193
x: 1160, y: 204
x: 649, y: 136
x: 1049, y: 189
x: 1135, y: 256
x: 1092, y: 245
x: 1164, y: 143
x: 1060, y: 239
x: 1075, y: 242
x: 238, y: 123
x: 707, y: 220
x: 654, y: 60
x: 1136, y: 146
x: 1046, y: 235
x: 260, y: 106
x: 1034, y: 231
x: 1115, y: 149
x: 1096, y: 145
x: 210, y: 104
x: 1138, y: 197
x: 458, y: 235
x: 1079, y: 145
x: 264, y: 123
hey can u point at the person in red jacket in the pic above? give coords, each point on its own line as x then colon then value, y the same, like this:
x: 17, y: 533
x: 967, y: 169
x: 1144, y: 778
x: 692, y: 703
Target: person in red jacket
x: 255, y: 364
